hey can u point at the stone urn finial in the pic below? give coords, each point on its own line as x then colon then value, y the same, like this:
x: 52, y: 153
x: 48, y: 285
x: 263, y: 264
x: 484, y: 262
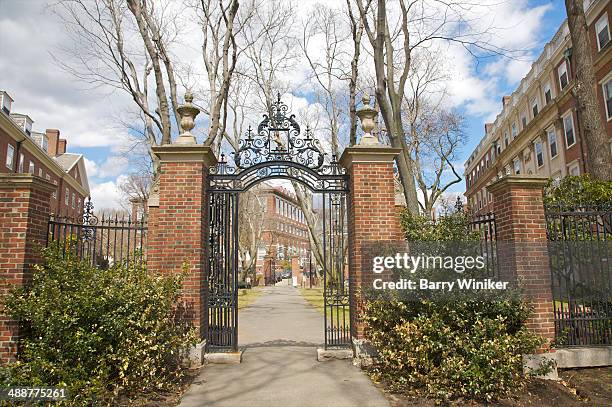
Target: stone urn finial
x: 367, y: 115
x: 188, y: 113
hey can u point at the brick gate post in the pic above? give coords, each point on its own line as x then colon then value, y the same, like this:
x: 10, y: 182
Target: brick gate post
x: 178, y: 225
x: 523, y: 246
x: 24, y: 217
x: 372, y: 217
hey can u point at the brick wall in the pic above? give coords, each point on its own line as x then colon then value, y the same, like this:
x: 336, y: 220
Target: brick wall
x: 523, y: 245
x: 24, y: 216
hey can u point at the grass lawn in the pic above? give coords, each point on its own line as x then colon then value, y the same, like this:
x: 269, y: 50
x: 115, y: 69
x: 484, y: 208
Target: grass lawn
x: 246, y: 297
x: 314, y: 296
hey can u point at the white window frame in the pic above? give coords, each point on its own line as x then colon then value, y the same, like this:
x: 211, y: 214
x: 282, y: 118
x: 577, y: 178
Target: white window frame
x: 514, y: 130
x: 535, y: 103
x: 602, y: 19
x: 10, y: 152
x: 560, y: 71
x: 67, y: 197
x: 538, y: 143
x: 547, y: 89
x: 31, y: 168
x: 603, y: 94
x: 21, y: 162
x: 506, y: 140
x: 514, y: 163
x: 523, y: 119
x: 552, y: 132
x: 571, y: 167
x: 571, y: 116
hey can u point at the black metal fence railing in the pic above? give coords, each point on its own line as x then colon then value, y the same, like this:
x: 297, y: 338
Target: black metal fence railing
x: 484, y: 225
x: 104, y: 241
x: 580, y: 253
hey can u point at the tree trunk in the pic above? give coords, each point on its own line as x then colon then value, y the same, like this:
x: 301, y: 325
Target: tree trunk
x: 599, y: 158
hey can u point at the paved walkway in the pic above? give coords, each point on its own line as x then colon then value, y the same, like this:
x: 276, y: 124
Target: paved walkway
x: 279, y: 333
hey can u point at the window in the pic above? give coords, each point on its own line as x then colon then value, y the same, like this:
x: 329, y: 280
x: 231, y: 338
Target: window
x: 534, y: 107
x: 602, y: 31
x: 552, y: 142
x: 73, y: 200
x: 54, y: 194
x: 40, y: 172
x: 539, y: 153
x: 524, y: 120
x: 547, y: 93
x: 574, y: 170
x: 48, y: 177
x: 506, y: 139
x: 21, y: 162
x: 607, y: 95
x: 563, y: 79
x: 67, y: 197
x: 568, y: 126
x: 31, y: 168
x: 514, y: 130
x: 45, y: 143
x: 10, y: 156
x: 517, y: 166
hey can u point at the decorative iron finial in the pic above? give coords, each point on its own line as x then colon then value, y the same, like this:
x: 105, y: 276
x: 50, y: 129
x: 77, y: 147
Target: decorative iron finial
x: 367, y: 115
x: 188, y: 113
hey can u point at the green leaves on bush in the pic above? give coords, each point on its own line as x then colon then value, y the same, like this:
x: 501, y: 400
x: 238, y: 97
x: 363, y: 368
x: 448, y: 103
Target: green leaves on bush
x: 469, y: 349
x: 573, y: 191
x: 453, y: 227
x: 98, y: 332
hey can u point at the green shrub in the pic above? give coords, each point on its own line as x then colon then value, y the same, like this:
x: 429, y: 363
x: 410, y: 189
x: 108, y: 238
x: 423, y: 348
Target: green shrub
x: 448, y: 347
x: 470, y: 349
x: 578, y: 190
x: 100, y: 333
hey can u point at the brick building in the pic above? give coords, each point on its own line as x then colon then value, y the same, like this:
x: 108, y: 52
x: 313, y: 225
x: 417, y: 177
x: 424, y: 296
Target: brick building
x: 285, y: 233
x: 537, y: 131
x: 23, y: 150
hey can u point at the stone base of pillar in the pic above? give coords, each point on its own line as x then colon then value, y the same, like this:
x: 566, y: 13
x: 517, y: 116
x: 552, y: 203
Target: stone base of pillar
x: 195, y: 356
x: 224, y: 358
x: 324, y: 355
x: 365, y: 353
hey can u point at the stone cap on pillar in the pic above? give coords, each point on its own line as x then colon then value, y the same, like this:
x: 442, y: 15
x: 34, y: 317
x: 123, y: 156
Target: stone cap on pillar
x: 518, y: 181
x: 177, y: 153
x: 368, y: 154
x: 20, y: 180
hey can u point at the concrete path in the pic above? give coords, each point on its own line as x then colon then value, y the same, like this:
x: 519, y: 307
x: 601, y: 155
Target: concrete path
x: 280, y: 333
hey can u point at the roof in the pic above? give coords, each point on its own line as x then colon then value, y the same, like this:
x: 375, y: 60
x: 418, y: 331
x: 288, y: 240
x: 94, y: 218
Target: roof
x: 67, y: 160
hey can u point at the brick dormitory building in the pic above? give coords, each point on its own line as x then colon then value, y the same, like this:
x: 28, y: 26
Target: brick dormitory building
x: 537, y: 131
x: 23, y: 150
x: 285, y: 233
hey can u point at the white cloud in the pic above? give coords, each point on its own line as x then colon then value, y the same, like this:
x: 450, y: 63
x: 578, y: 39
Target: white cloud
x: 106, y: 195
x: 91, y: 167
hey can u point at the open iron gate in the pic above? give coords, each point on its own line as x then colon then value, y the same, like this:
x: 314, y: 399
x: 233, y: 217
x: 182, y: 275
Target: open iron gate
x: 278, y: 150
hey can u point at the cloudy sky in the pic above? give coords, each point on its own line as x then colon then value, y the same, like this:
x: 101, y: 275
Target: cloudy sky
x: 31, y: 35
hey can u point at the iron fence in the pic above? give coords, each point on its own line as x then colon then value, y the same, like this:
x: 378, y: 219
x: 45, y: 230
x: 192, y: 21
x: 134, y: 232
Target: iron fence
x: 580, y: 253
x: 103, y: 241
x: 484, y: 226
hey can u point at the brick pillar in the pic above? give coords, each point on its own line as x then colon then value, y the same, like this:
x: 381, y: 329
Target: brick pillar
x: 523, y: 245
x: 178, y: 222
x: 24, y: 217
x: 372, y: 216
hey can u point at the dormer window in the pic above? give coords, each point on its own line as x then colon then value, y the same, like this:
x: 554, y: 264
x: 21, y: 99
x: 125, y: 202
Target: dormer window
x: 7, y: 102
x: 44, y: 143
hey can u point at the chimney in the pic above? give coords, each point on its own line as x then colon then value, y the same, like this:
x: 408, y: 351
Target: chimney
x: 488, y: 127
x: 505, y: 100
x: 61, y: 146
x: 53, y: 137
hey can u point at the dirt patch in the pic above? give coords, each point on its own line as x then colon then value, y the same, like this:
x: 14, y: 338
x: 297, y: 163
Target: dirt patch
x: 165, y: 398
x: 578, y: 387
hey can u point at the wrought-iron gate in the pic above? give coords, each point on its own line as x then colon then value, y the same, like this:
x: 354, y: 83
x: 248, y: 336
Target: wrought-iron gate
x: 277, y: 150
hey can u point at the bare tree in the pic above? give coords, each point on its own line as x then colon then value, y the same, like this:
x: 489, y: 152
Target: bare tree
x: 251, y: 211
x: 599, y: 161
x: 395, y: 32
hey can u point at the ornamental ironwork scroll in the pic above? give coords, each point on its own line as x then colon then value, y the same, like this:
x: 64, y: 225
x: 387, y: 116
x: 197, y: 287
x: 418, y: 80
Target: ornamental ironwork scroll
x: 279, y: 138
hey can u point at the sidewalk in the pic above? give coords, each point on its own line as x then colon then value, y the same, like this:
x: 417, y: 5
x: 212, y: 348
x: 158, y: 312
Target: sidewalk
x: 279, y: 333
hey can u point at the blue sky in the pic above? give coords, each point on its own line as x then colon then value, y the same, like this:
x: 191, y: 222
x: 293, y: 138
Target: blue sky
x: 30, y: 33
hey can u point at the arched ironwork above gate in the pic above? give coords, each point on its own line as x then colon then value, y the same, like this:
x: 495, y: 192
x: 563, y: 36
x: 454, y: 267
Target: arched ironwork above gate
x: 279, y: 149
